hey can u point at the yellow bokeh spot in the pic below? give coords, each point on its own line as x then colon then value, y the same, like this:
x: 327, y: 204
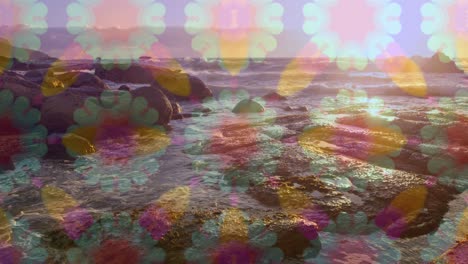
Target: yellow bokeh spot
x: 80, y: 140
x: 234, y: 54
x: 150, y: 140
x: 462, y: 48
x: 174, y: 82
x: 462, y: 229
x: 294, y: 78
x: 293, y: 201
x: 313, y: 139
x: 57, y: 202
x: 175, y: 202
x: 407, y: 75
x: 5, y: 53
x: 5, y: 228
x: 234, y: 227
x: 385, y: 140
x: 410, y: 203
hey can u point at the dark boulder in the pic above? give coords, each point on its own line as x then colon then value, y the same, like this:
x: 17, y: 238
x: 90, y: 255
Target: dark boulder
x: 57, y: 111
x: 81, y: 79
x: 248, y: 106
x: 439, y: 63
x: 176, y: 111
x: 21, y: 87
x: 133, y: 73
x: 36, y: 76
x: 176, y: 85
x: 274, y: 96
x: 157, y: 100
x: 124, y: 88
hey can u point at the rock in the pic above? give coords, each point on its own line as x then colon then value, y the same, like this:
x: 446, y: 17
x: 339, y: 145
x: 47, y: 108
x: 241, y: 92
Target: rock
x: 204, y: 110
x: 248, y: 106
x: 439, y: 63
x: 176, y: 110
x: 199, y: 90
x: 303, y: 108
x: 181, y: 86
x: 21, y: 87
x: 81, y: 79
x: 80, y: 144
x: 291, y: 239
x: 158, y: 101
x: 33, y: 55
x: 57, y: 111
x: 36, y: 76
x: 174, y: 84
x: 293, y: 162
x: 299, y: 108
x: 274, y: 96
x: 124, y: 88
x: 134, y: 73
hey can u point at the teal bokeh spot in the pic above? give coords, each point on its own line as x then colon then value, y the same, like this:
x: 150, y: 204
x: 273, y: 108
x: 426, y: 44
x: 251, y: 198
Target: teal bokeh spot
x: 210, y: 36
x: 437, y: 144
x: 442, y: 239
x: 352, y: 235
x: 28, y: 140
x: 444, y: 28
x: 318, y: 23
x: 208, y: 242
x: 131, y: 168
x: 32, y: 14
x: 115, y: 50
x: 120, y: 227
x: 27, y: 241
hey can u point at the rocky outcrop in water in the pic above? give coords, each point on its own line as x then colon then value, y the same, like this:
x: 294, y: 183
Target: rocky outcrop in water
x: 248, y: 106
x: 57, y: 111
x: 21, y: 87
x: 174, y: 84
x: 438, y: 63
x: 157, y: 100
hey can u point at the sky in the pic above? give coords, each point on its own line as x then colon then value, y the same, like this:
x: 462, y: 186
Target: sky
x: 410, y: 38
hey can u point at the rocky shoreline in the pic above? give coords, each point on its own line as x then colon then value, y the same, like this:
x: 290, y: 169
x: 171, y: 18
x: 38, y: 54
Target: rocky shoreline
x: 292, y: 203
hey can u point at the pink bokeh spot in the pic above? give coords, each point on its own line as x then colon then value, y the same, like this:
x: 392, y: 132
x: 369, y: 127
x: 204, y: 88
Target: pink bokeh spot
x: 195, y: 181
x: 178, y: 140
x: 234, y: 199
x: 115, y: 140
x: 76, y: 222
x: 355, y: 250
x: 458, y: 12
x: 431, y: 181
x: 9, y: 13
x: 236, y: 252
x: 234, y: 19
x: 352, y: 20
x: 314, y: 221
x: 37, y: 182
x: 392, y: 221
x: 156, y: 221
x: 10, y: 254
x: 116, y: 13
